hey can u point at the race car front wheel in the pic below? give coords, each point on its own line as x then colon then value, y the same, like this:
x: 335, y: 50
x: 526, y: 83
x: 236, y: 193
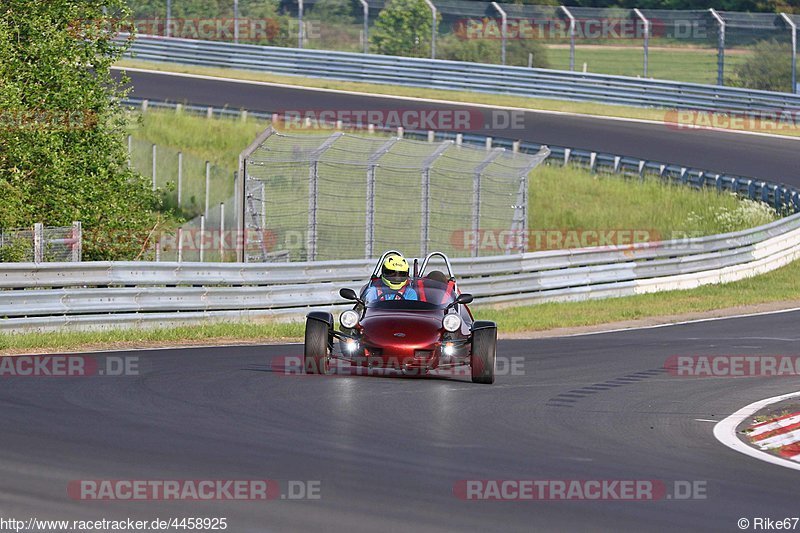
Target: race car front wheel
x: 317, y: 360
x: 484, y: 351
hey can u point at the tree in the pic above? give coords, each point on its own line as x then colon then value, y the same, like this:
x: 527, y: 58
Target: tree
x: 403, y: 28
x: 62, y: 150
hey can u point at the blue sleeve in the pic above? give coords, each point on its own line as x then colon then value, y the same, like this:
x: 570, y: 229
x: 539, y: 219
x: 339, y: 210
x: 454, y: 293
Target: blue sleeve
x: 371, y: 294
x: 411, y: 294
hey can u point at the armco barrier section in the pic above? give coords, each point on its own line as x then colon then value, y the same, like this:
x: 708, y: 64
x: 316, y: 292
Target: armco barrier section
x: 463, y: 76
x: 53, y: 296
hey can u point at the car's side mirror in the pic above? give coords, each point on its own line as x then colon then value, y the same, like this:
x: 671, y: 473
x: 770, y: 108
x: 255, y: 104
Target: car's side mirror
x: 461, y: 299
x: 464, y: 299
x: 348, y: 294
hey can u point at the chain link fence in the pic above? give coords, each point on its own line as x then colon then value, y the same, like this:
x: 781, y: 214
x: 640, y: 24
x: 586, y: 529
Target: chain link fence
x: 755, y: 50
x: 341, y: 196
x: 41, y: 244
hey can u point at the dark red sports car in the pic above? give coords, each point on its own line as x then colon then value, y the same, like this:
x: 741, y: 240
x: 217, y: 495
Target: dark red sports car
x: 435, y: 331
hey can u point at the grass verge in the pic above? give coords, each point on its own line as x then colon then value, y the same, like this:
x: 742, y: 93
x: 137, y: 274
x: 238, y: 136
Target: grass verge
x: 782, y: 285
x: 534, y: 104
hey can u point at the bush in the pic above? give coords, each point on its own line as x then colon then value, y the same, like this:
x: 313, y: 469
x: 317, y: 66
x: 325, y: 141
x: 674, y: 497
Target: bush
x: 769, y: 68
x: 458, y: 47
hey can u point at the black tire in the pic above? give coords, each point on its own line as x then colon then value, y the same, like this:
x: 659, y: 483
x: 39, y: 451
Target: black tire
x: 484, y: 352
x: 317, y: 358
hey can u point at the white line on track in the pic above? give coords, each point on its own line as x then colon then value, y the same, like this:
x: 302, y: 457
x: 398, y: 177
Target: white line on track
x: 725, y: 432
x: 451, y: 102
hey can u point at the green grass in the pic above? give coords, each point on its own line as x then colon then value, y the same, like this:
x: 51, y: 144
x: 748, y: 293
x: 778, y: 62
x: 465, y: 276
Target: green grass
x: 586, y: 108
x: 782, y: 285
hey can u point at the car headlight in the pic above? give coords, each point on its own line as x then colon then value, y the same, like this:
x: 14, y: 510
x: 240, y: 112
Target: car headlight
x: 349, y: 319
x: 451, y: 322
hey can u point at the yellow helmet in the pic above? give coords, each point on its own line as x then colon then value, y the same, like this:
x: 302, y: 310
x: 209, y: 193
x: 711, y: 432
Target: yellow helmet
x: 394, y: 271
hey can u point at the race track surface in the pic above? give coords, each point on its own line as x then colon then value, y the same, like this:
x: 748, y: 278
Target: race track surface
x: 762, y: 157
x: 389, y: 450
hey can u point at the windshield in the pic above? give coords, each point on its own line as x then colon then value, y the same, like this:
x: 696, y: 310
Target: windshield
x: 419, y: 294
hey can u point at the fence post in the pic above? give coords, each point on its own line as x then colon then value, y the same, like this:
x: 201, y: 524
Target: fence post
x: 167, y: 32
x: 208, y: 186
x: 299, y: 23
x: 38, y: 242
x: 426, y: 195
x: 154, y: 166
x: 222, y: 231
x: 433, y: 27
x: 236, y: 21
x: 793, y: 27
x: 721, y: 47
x: 202, y: 240
x: 571, y: 37
x: 503, y: 31
x: 180, y: 178
x: 77, y: 242
x: 646, y: 36
x: 180, y: 245
x: 365, y: 7
x: 476, y: 197
x: 130, y: 149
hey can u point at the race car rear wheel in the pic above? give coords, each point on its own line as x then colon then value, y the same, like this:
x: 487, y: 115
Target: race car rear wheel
x: 317, y: 358
x: 484, y: 351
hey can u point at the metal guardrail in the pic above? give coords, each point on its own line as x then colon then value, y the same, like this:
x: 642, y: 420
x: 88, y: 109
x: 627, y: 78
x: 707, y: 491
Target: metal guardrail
x: 125, y: 294
x: 463, y: 76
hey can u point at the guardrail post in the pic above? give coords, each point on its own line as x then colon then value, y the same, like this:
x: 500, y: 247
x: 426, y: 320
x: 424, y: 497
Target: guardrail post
x: 77, y: 242
x: 721, y: 47
x: 503, y: 31
x: 38, y: 242
x: 571, y: 37
x: 646, y: 37
x: 180, y: 178
x: 431, y: 136
x: 433, y: 27
x: 793, y: 27
x: 488, y: 143
x: 459, y: 139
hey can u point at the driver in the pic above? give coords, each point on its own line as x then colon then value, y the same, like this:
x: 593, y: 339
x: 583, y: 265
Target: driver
x: 394, y: 283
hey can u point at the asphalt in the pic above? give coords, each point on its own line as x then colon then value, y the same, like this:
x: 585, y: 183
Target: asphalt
x: 387, y: 451
x: 762, y: 157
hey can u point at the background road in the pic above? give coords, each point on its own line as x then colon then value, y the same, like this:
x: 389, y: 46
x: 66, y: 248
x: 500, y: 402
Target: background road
x: 388, y: 450
x: 762, y: 157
